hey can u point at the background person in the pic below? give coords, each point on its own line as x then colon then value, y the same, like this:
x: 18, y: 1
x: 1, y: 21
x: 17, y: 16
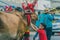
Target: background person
x: 48, y: 22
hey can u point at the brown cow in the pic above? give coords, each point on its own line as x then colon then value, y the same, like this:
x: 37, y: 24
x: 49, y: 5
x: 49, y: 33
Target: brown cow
x: 12, y: 24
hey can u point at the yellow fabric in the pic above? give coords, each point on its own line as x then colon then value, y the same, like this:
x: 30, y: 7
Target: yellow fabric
x: 27, y: 29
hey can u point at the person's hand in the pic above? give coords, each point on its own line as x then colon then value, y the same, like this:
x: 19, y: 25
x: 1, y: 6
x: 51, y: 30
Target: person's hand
x: 34, y: 27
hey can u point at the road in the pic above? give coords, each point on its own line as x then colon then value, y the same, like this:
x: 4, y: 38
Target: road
x: 6, y: 37
x: 55, y: 37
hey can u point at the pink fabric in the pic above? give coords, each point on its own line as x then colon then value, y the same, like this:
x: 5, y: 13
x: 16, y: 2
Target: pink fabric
x: 8, y: 8
x: 42, y: 35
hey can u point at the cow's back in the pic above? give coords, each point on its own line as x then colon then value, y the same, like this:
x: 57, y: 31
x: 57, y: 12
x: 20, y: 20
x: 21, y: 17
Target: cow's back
x: 10, y: 23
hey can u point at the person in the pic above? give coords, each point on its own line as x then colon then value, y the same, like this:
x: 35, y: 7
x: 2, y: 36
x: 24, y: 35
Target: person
x: 41, y: 31
x: 47, y: 20
x: 28, y: 10
x: 52, y: 11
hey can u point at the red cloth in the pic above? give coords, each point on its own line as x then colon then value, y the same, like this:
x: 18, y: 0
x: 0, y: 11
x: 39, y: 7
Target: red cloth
x: 8, y: 8
x: 28, y: 19
x: 28, y: 6
x: 27, y: 32
x: 31, y: 7
x: 42, y: 34
x: 26, y: 36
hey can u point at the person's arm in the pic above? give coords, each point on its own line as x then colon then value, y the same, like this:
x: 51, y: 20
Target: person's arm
x: 51, y: 17
x: 34, y: 3
x: 34, y: 27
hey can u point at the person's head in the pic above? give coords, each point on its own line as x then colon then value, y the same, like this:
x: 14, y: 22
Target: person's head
x: 52, y: 11
x: 42, y: 26
x: 46, y: 10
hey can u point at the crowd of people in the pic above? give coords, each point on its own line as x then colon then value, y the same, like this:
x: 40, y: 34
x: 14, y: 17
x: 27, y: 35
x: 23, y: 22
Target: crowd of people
x: 46, y: 18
